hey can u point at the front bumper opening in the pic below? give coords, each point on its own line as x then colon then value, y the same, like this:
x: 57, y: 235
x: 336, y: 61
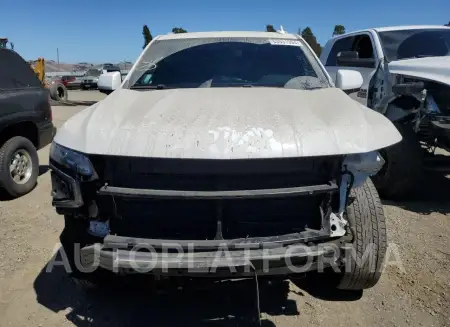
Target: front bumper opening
x: 253, y: 213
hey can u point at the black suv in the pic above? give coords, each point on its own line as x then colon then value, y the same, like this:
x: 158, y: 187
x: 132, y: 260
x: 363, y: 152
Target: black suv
x: 25, y: 123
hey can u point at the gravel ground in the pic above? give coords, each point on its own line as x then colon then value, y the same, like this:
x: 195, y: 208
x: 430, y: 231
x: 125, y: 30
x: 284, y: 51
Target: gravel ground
x: 415, y: 293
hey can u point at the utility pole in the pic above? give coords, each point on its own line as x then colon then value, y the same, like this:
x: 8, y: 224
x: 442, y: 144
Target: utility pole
x: 57, y: 57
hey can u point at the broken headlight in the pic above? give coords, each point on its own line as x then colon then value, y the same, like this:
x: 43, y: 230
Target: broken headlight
x: 71, y: 159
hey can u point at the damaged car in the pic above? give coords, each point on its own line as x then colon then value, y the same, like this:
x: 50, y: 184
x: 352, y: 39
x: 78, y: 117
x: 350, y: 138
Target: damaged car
x: 224, y: 154
x: 406, y: 72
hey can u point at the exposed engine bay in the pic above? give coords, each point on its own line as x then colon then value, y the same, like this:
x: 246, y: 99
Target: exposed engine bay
x: 423, y: 103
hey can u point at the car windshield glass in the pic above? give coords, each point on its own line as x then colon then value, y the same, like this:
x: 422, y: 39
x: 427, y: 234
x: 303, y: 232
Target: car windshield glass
x: 93, y: 72
x: 415, y: 43
x: 232, y: 62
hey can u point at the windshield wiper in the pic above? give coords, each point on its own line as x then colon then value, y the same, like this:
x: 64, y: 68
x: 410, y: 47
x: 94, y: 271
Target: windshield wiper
x: 149, y: 87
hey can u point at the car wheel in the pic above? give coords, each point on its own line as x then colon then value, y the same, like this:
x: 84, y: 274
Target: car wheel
x: 403, y: 167
x: 367, y: 222
x: 73, y: 237
x: 19, y: 166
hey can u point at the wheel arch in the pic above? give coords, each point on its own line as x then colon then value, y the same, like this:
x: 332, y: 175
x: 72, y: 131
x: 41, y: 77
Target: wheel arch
x: 27, y: 129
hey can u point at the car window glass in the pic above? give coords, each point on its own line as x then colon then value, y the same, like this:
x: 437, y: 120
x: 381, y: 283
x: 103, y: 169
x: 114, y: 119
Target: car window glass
x: 15, y: 72
x: 415, y: 43
x: 363, y: 45
x: 228, y: 64
x: 344, y: 44
x: 93, y: 72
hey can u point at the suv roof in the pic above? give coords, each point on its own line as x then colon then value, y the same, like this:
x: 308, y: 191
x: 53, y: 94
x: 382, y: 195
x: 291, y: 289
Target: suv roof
x: 408, y: 27
x: 393, y: 28
x: 199, y: 35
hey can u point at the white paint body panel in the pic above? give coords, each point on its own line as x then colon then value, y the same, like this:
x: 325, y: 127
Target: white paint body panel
x: 408, y: 27
x: 429, y: 68
x: 109, y: 81
x: 227, y: 34
x: 347, y: 79
x: 227, y: 123
x: 366, y: 74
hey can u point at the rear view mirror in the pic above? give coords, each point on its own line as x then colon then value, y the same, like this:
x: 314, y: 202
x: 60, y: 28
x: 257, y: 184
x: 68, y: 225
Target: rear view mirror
x: 108, y: 82
x: 351, y: 59
x: 348, y: 80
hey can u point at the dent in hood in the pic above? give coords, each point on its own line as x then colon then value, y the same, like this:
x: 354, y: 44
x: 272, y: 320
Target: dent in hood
x: 429, y: 68
x: 227, y: 123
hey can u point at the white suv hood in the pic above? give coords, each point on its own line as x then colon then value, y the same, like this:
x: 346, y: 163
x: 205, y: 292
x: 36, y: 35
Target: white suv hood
x: 227, y: 123
x: 430, y: 68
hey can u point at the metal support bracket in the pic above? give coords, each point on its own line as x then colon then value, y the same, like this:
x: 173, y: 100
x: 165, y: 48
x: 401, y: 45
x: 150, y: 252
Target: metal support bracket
x: 337, y: 225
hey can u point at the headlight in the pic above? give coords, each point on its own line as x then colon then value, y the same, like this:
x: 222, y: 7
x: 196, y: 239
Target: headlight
x: 71, y: 159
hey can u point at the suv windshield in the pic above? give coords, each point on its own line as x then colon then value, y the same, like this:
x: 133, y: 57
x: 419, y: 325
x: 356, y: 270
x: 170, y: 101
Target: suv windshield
x: 416, y: 43
x: 232, y: 62
x: 93, y: 72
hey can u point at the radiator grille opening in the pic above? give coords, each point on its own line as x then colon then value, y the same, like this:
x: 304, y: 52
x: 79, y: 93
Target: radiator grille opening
x: 197, y: 219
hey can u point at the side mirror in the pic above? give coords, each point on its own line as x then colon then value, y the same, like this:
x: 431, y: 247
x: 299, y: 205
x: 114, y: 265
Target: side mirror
x: 108, y: 82
x: 348, y: 80
x: 351, y: 59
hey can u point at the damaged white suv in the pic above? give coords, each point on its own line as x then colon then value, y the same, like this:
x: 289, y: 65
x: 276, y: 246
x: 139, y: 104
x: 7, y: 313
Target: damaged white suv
x: 406, y: 72
x: 224, y: 154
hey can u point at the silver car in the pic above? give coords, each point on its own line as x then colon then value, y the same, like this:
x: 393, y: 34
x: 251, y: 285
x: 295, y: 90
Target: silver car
x: 90, y: 79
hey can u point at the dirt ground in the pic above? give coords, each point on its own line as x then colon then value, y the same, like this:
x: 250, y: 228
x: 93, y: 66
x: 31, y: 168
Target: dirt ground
x: 415, y: 293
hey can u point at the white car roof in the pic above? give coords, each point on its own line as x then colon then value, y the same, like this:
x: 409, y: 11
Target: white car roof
x: 409, y: 27
x: 397, y: 28
x: 231, y: 34
x: 391, y: 28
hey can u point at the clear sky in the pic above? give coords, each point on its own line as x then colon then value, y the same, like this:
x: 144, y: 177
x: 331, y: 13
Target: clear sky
x: 111, y: 31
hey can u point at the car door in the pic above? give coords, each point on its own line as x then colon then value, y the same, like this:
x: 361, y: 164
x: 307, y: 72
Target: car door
x: 363, y: 44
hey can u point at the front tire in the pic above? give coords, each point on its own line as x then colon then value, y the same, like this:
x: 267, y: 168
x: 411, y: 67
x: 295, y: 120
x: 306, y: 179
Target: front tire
x: 402, y: 170
x: 19, y: 166
x: 367, y: 222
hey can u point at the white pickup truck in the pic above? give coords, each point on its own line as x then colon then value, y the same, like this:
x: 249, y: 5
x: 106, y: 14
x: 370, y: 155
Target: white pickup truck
x: 406, y: 76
